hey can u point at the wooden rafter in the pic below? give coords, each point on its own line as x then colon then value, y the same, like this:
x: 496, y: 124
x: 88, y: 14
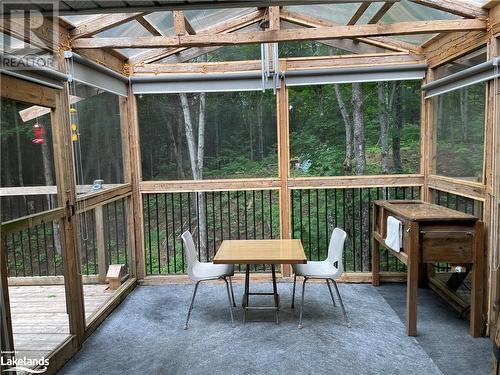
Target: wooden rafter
x: 101, y: 23
x: 381, y: 12
x: 359, y: 12
x: 460, y: 8
x: 181, y: 24
x: 272, y: 36
x: 148, y: 26
x: 381, y: 42
x: 227, y: 26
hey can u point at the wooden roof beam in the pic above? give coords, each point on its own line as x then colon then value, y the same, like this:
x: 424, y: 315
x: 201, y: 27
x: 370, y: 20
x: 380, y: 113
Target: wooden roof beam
x: 381, y: 42
x: 381, y: 12
x: 272, y: 36
x: 226, y: 26
x: 181, y: 24
x: 148, y: 26
x: 359, y: 12
x: 460, y: 8
x: 102, y: 23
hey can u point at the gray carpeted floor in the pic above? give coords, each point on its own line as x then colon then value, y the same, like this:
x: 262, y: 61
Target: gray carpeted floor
x: 145, y: 336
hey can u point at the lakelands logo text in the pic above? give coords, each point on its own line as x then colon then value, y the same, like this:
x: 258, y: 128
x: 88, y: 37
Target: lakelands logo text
x: 24, y: 364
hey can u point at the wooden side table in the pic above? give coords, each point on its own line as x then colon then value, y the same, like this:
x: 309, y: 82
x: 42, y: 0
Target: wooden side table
x: 431, y: 234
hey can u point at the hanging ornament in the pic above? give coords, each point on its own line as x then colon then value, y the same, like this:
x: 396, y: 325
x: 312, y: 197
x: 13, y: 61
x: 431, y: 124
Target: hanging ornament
x: 74, y: 133
x: 38, y: 131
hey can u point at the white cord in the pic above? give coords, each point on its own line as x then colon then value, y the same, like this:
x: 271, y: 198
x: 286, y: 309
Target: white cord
x: 74, y: 119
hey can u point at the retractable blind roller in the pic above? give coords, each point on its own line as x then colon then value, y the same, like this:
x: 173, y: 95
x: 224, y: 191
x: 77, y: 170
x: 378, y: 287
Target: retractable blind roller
x: 476, y: 74
x: 32, y: 73
x: 90, y: 73
x: 355, y: 74
x: 190, y: 83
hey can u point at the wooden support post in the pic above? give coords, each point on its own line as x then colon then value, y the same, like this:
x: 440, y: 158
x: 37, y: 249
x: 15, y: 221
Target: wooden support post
x: 412, y: 243
x: 284, y: 168
x: 66, y: 187
x: 7, y: 338
x: 428, y: 137
x: 477, y: 277
x: 102, y: 259
x: 136, y: 211
x: 125, y: 122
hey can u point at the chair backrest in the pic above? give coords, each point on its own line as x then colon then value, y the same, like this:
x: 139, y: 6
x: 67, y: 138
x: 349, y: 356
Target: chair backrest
x: 190, y: 251
x: 336, y: 247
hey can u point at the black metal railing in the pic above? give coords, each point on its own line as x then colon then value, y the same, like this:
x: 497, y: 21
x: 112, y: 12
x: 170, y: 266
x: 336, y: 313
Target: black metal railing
x: 211, y: 217
x: 316, y: 212
x: 35, y: 251
x: 16, y: 206
x: 114, y: 231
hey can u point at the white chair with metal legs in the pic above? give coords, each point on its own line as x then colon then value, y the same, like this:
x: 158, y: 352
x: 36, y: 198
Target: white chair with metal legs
x: 326, y: 270
x: 199, y: 272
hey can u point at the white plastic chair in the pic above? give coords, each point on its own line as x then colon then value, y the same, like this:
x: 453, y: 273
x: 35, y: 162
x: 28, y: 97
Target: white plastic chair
x: 199, y: 272
x: 326, y: 270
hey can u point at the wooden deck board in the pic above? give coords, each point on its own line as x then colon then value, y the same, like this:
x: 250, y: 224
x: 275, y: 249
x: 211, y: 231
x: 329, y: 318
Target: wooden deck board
x: 39, y: 318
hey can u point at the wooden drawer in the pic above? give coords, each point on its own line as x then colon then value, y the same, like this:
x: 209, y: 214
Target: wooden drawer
x: 446, y: 243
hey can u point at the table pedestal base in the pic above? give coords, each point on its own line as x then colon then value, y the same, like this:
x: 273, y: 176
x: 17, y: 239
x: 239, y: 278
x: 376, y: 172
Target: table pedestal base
x: 247, y: 294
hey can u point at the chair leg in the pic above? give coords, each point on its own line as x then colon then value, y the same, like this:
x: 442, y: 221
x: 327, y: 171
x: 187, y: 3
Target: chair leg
x: 341, y: 303
x: 230, y: 302
x: 293, y: 290
x: 232, y: 291
x: 191, y: 305
x: 331, y: 294
x: 302, y: 302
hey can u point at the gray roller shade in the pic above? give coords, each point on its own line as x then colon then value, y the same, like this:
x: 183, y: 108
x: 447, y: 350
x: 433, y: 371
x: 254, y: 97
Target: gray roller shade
x: 355, y: 74
x: 95, y: 75
x: 186, y: 83
x: 476, y: 74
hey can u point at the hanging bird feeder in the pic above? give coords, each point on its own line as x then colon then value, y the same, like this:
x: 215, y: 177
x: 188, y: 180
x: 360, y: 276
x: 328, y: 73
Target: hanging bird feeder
x: 38, y: 131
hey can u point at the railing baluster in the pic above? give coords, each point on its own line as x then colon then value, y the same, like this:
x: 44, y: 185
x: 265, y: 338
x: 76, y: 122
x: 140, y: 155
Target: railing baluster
x: 167, y: 235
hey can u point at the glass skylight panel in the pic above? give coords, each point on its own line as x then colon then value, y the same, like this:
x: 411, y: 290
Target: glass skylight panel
x: 162, y: 21
x: 407, y: 11
x: 79, y: 19
x: 335, y: 13
x: 203, y: 18
x: 370, y: 12
x: 131, y: 28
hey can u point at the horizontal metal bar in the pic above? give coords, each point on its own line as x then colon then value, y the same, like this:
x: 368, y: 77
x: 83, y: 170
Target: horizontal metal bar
x: 261, y: 308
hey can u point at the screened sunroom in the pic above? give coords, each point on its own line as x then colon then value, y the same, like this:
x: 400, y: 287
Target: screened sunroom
x: 180, y: 179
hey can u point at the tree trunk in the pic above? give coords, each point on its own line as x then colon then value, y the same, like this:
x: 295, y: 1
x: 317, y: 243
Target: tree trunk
x: 348, y: 130
x: 19, y: 153
x: 260, y: 133
x: 464, y: 113
x: 195, y: 153
x: 175, y: 151
x: 359, y: 131
x: 188, y: 128
x: 384, y: 126
x: 201, y: 135
x: 51, y: 199
x: 396, y: 133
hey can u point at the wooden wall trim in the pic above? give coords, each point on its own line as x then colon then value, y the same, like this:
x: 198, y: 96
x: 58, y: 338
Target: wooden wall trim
x: 355, y: 181
x: 208, y: 185
x: 314, y: 62
x: 27, y: 92
x: 459, y: 187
